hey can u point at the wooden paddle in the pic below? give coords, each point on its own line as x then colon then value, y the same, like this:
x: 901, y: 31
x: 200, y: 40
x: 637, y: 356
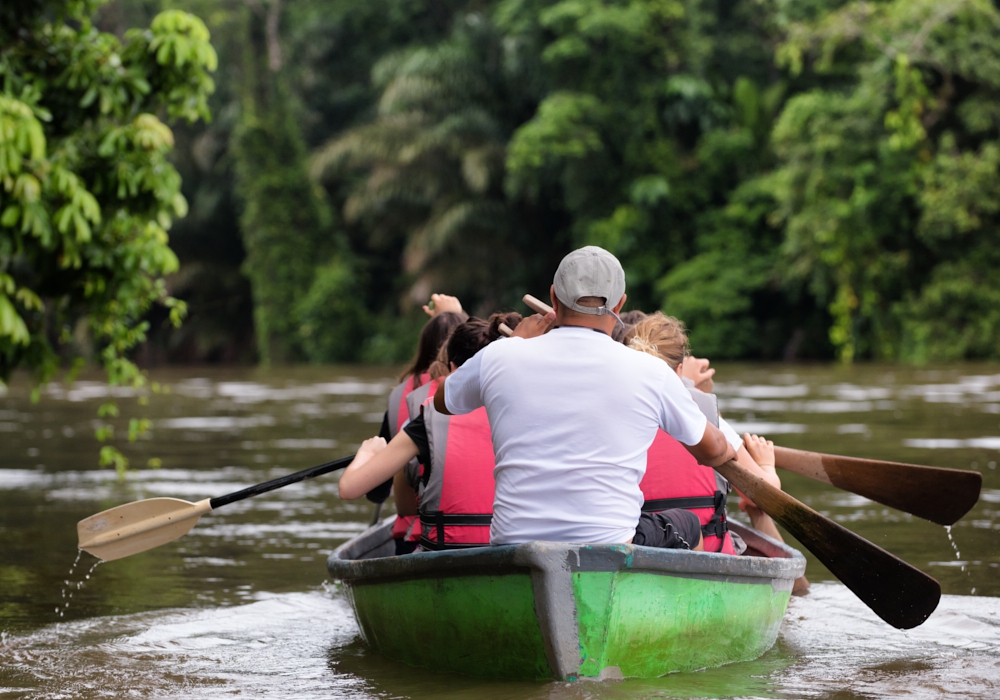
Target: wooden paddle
x: 900, y: 594
x: 942, y: 496
x: 135, y: 527
x: 536, y: 305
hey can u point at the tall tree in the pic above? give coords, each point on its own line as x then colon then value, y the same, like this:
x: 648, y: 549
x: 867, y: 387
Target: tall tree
x: 88, y: 193
x: 432, y: 166
x: 888, y: 174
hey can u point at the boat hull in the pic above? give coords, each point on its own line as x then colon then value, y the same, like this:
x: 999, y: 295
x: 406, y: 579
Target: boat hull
x: 547, y: 610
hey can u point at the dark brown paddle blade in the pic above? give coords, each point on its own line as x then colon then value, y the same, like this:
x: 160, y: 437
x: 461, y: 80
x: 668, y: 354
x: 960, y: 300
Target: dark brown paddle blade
x: 942, y: 496
x: 900, y: 594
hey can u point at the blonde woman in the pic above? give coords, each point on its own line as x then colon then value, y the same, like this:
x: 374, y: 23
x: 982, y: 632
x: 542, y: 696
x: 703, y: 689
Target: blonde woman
x: 673, y: 477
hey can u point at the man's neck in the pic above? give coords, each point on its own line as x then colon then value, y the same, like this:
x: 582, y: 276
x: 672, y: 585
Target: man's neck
x: 603, y: 324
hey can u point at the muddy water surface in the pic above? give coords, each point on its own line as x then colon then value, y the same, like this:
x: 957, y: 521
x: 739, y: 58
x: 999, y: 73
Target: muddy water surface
x: 241, y: 606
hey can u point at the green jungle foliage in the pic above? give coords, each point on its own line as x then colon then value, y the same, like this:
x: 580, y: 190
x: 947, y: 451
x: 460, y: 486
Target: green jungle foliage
x: 792, y: 178
x: 87, y: 192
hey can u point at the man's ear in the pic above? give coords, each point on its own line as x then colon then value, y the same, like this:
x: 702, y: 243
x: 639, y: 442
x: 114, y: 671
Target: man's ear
x: 618, y: 308
x: 553, y: 298
x: 453, y: 366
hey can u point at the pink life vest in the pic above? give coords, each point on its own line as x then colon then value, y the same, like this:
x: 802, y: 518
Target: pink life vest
x: 399, y: 413
x: 674, y: 479
x: 399, y: 410
x: 456, y: 494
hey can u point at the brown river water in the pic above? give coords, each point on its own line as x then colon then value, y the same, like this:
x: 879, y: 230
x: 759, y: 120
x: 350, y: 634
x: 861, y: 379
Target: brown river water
x: 242, y: 606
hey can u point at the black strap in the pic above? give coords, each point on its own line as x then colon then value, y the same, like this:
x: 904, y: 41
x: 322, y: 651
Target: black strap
x: 659, y: 504
x: 717, y: 526
x: 432, y: 519
x: 437, y: 520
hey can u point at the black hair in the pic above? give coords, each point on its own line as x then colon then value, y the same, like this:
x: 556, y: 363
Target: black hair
x: 475, y: 334
x: 432, y: 337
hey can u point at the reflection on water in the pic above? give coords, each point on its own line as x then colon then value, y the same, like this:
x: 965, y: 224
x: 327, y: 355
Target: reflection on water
x: 239, y: 605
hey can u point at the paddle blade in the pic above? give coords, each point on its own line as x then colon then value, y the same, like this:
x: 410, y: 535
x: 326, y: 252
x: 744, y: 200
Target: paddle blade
x: 135, y: 527
x: 900, y: 594
x: 942, y: 496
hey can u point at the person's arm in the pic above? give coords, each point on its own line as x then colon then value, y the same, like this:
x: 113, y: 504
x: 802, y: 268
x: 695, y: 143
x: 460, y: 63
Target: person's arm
x: 697, y: 370
x: 439, y: 404
x: 535, y: 325
x: 713, y: 449
x: 758, y: 463
x: 375, y: 462
x: 463, y: 393
x: 757, y: 455
x: 681, y: 419
x: 403, y: 494
x: 443, y: 303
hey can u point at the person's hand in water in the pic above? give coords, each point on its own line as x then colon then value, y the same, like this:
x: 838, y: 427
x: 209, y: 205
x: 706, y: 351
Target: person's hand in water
x: 442, y: 303
x: 696, y: 369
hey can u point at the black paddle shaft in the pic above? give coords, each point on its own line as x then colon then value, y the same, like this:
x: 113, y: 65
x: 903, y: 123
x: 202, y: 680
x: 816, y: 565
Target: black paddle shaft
x: 273, y: 484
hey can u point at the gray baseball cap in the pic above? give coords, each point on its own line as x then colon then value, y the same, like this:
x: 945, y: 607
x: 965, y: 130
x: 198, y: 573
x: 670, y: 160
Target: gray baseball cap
x: 590, y: 272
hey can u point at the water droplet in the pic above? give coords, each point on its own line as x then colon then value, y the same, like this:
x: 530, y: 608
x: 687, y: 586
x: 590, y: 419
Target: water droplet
x: 67, y: 583
x: 951, y: 540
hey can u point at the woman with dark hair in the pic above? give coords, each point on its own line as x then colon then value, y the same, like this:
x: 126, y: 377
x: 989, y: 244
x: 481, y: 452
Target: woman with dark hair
x: 446, y: 314
x: 454, y: 489
x: 432, y: 338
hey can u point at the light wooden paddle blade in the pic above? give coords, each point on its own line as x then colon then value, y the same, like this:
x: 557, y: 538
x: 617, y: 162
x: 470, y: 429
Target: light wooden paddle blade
x: 135, y: 527
x: 942, y: 496
x: 900, y: 594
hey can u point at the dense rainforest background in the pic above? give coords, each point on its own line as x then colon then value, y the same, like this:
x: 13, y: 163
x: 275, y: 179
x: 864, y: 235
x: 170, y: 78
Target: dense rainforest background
x: 793, y: 178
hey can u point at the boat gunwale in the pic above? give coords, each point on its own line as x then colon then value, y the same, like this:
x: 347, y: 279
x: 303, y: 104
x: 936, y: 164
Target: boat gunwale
x: 783, y: 563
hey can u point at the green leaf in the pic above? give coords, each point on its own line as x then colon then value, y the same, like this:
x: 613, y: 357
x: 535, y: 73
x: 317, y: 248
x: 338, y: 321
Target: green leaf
x: 10, y: 216
x: 12, y: 326
x: 29, y: 299
x: 110, y: 456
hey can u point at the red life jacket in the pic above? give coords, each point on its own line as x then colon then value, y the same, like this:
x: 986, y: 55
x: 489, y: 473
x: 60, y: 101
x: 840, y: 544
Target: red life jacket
x: 399, y: 413
x: 456, y: 494
x: 674, y: 479
x: 399, y: 410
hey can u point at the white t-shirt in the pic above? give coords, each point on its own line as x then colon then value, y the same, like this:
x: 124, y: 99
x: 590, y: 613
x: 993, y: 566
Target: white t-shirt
x: 572, y: 413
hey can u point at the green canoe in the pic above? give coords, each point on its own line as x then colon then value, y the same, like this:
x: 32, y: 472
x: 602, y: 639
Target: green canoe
x: 547, y: 610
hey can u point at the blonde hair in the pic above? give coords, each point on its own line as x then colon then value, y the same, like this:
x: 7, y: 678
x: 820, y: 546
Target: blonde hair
x: 660, y: 336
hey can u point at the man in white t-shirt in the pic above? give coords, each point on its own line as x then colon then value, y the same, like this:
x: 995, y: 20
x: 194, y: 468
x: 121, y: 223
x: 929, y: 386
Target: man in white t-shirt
x: 573, y: 413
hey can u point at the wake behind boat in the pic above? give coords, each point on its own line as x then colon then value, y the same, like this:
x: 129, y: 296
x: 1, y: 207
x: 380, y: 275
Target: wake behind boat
x: 544, y: 610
